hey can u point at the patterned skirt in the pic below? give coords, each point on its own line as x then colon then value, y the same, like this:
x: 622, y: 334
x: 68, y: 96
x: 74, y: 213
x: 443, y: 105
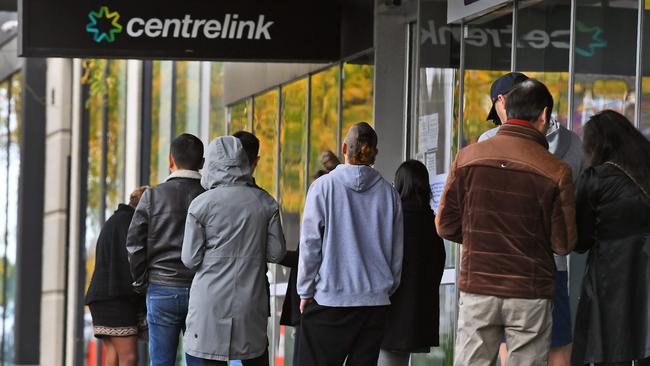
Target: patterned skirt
x: 118, y: 318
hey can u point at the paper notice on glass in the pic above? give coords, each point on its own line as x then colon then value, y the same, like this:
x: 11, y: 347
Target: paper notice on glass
x: 437, y: 186
x: 428, y: 132
x: 430, y: 161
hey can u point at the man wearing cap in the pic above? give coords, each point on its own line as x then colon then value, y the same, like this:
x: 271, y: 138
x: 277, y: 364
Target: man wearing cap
x: 510, y: 203
x: 567, y: 146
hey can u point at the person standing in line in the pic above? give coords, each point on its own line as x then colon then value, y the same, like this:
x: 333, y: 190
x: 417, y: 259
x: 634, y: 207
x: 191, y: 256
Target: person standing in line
x: 115, y: 308
x: 613, y: 214
x: 291, y: 306
x: 508, y: 234
x: 414, y: 315
x: 154, y: 243
x: 351, y: 244
x: 566, y: 145
x: 232, y: 230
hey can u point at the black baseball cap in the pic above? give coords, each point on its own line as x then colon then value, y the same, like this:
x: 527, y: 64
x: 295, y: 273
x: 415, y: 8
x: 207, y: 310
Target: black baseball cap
x: 502, y: 86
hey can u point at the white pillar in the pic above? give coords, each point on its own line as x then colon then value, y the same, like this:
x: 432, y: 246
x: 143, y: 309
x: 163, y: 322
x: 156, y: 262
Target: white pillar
x: 133, y: 126
x: 58, y: 114
x: 204, y: 115
x: 75, y: 202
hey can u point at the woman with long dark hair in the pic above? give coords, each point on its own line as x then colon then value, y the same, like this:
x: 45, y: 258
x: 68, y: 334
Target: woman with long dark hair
x: 613, y: 216
x: 413, y: 319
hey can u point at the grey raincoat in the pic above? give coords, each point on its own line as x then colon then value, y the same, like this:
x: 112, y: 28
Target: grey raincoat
x: 232, y: 230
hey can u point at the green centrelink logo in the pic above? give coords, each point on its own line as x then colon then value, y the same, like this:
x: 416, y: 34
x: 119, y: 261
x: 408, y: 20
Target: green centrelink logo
x: 107, y: 18
x: 595, y: 42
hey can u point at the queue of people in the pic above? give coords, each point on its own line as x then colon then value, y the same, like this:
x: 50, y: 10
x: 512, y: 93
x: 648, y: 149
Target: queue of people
x: 191, y: 254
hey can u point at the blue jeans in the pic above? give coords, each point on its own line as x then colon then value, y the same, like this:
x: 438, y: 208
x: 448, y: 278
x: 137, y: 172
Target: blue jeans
x: 166, y: 313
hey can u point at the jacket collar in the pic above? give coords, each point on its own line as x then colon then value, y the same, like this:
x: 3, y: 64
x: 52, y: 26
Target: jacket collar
x: 124, y: 208
x: 523, y: 129
x: 182, y: 173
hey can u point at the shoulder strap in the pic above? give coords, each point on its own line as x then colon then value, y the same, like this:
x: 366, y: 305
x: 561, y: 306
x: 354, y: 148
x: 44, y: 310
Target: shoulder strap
x: 645, y: 193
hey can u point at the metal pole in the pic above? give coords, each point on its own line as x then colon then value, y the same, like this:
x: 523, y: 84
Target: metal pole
x: 572, y: 65
x: 639, y: 65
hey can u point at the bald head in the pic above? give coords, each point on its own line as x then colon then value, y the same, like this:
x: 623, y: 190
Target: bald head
x: 360, y: 145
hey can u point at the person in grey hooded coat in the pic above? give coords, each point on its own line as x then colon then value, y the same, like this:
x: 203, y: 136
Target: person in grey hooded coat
x: 232, y: 230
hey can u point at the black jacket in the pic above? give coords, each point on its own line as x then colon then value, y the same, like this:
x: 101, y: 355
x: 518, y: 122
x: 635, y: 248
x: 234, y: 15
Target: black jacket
x: 112, y: 278
x: 155, y: 236
x: 413, y: 320
x: 613, y: 317
x: 291, y: 306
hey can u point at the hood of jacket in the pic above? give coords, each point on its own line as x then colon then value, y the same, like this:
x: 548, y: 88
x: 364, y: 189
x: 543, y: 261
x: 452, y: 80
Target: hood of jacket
x: 359, y: 178
x: 225, y: 164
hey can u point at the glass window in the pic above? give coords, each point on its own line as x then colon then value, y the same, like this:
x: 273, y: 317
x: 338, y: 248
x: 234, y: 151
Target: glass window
x: 323, y: 129
x: 10, y: 108
x: 358, y: 93
x: 543, y: 52
x: 188, y: 90
x: 115, y: 158
x: 265, y: 127
x: 217, y: 107
x: 488, y: 46
x: 293, y: 158
x: 161, y: 119
x: 605, y: 59
x: 433, y: 139
x: 239, y: 117
x: 104, y: 112
x: 644, y: 120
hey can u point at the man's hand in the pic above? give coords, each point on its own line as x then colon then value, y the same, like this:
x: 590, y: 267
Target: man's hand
x: 304, y: 303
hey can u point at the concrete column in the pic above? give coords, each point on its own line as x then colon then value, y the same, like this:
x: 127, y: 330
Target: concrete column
x: 133, y: 126
x: 57, y: 147
x: 75, y: 241
x: 390, y: 83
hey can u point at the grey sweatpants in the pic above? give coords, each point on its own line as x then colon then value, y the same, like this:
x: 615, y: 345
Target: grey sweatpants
x: 484, y: 320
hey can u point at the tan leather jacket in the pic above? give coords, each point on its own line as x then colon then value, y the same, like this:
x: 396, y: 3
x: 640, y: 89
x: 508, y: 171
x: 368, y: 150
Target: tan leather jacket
x: 510, y: 203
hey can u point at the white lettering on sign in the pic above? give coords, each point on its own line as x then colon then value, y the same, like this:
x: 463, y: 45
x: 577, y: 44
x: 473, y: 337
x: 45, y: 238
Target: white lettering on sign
x: 230, y: 28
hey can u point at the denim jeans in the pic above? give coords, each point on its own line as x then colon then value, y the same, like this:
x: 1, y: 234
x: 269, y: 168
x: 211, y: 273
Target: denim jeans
x: 166, y: 313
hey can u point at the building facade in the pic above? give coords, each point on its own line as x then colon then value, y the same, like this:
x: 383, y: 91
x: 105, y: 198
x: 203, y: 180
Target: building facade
x: 78, y: 135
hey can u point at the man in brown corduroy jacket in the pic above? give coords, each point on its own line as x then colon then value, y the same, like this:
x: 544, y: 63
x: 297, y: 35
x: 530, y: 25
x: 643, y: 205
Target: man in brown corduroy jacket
x: 510, y: 203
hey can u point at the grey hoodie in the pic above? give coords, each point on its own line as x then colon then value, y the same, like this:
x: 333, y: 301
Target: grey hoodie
x: 351, y: 239
x: 232, y: 230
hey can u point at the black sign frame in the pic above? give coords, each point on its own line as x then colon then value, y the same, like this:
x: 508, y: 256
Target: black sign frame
x: 271, y: 31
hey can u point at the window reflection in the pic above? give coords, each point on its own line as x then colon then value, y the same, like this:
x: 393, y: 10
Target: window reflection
x: 324, y: 116
x: 358, y: 92
x: 10, y: 107
x: 239, y: 117
x: 442, y: 355
x: 605, y: 59
x: 265, y: 127
x: 644, y: 118
x: 543, y: 52
x: 217, y: 108
x: 488, y: 47
x: 161, y: 119
x: 188, y: 89
x: 115, y: 158
x: 105, y: 111
x: 293, y: 154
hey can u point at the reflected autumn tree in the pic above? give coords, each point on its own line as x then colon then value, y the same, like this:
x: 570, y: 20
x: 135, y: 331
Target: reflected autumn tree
x: 324, y: 116
x: 217, y: 104
x: 358, y: 94
x: 265, y: 127
x: 239, y: 116
x: 293, y: 145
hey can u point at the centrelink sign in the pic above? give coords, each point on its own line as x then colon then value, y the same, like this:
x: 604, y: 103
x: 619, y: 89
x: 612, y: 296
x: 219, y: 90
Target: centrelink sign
x: 279, y: 30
